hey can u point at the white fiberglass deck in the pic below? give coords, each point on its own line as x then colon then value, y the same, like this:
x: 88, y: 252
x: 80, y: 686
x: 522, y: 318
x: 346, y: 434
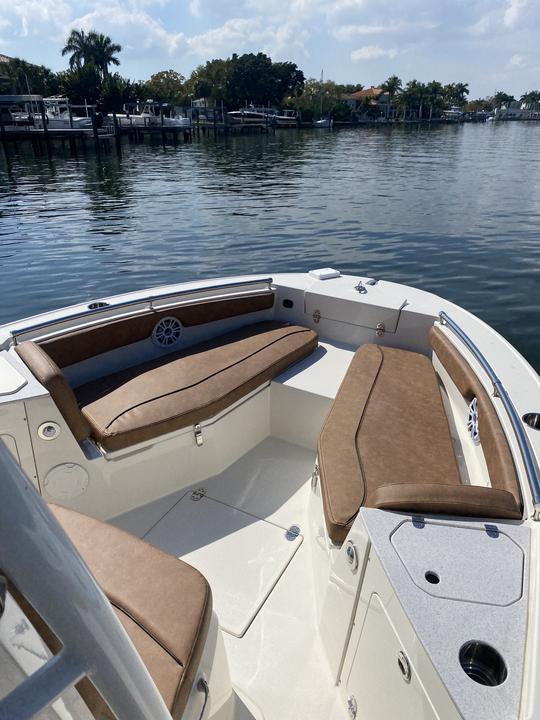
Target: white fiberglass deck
x: 276, y: 660
x: 241, y: 555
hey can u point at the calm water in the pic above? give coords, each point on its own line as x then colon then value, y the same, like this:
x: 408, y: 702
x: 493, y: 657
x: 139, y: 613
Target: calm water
x: 454, y: 210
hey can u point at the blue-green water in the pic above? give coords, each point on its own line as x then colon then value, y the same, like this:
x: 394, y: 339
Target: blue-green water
x: 451, y: 209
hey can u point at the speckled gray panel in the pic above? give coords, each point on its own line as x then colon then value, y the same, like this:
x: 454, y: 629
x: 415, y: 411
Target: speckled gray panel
x: 489, y: 568
x: 444, y: 624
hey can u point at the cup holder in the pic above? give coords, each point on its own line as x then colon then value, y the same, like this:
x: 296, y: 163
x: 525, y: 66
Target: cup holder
x: 532, y: 419
x: 482, y: 663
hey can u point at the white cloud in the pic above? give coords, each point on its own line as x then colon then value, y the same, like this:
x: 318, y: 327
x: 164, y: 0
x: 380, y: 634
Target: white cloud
x: 249, y: 35
x: 517, y: 61
x: 372, y: 52
x: 134, y: 29
x: 513, y: 12
x: 35, y: 17
x: 349, y: 32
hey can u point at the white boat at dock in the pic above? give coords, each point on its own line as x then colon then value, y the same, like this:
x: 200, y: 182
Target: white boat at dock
x: 310, y: 495
x: 151, y: 114
x: 286, y: 118
x: 324, y: 123
x: 248, y: 116
x: 453, y: 114
x: 60, y: 116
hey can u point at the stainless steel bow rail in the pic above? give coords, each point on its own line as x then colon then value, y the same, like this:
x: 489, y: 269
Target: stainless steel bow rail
x: 38, y: 557
x: 517, y: 424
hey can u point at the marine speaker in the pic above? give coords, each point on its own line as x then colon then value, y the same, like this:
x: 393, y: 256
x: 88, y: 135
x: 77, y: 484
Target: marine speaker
x: 167, y: 332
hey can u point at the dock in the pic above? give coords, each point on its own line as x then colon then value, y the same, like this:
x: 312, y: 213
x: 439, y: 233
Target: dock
x: 106, y: 134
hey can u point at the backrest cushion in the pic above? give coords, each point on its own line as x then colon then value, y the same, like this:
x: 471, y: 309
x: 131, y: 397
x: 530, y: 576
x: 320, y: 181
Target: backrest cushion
x: 499, y: 460
x: 79, y: 345
x: 47, y: 372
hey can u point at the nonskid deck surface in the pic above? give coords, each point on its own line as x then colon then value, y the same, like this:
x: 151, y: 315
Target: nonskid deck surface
x: 262, y: 583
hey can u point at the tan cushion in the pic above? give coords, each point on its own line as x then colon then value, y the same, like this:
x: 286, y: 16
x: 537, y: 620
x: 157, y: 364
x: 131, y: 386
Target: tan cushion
x: 184, y: 388
x: 499, y: 460
x: 51, y: 377
x: 78, y: 345
x: 164, y: 604
x: 386, y: 426
x: 466, y: 500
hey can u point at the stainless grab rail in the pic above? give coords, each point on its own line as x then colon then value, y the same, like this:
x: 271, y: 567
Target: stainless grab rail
x: 500, y: 391
x: 138, y: 301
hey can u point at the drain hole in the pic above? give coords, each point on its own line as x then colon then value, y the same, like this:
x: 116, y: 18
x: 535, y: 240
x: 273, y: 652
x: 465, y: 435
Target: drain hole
x: 532, y: 420
x: 432, y: 577
x: 482, y: 663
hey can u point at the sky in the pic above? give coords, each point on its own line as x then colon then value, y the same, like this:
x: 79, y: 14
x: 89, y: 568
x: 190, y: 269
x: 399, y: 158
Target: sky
x: 491, y: 44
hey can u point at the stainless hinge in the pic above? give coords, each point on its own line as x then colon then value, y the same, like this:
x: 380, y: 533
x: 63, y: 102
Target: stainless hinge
x: 316, y: 316
x: 197, y: 431
x: 380, y: 330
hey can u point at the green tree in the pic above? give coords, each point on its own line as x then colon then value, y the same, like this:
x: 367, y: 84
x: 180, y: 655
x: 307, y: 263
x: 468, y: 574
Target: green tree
x: 434, y: 98
x: 479, y: 105
x: 324, y: 99
x: 392, y: 86
x: 21, y: 77
x: 102, y: 52
x: 81, y: 84
x: 288, y: 80
x: 531, y: 100
x: 166, y: 86
x: 91, y: 48
x: 501, y: 98
x: 77, y: 48
x: 411, y: 99
x: 116, y: 91
x: 456, y: 93
x: 210, y: 81
x: 249, y: 78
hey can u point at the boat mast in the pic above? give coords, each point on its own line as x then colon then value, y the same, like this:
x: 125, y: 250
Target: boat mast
x: 321, y: 93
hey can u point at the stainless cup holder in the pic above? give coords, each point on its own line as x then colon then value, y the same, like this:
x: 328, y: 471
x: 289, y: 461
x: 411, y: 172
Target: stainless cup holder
x: 482, y: 663
x: 532, y: 419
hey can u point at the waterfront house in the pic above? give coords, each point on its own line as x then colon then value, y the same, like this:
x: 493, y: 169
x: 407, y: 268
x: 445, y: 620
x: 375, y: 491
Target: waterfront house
x: 369, y: 101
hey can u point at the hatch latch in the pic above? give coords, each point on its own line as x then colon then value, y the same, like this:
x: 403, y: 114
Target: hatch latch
x: 197, y: 432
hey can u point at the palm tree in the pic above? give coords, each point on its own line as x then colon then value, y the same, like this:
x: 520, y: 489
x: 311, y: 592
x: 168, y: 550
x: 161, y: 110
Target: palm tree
x: 531, y: 100
x: 455, y: 93
x: 412, y: 98
x: 461, y: 90
x: 392, y: 86
x: 434, y: 92
x: 102, y: 52
x: 92, y: 48
x: 77, y: 46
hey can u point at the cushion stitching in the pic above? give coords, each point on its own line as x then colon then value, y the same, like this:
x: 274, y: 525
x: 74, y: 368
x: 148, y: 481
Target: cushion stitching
x: 200, y: 407
x: 208, y: 377
x: 147, y: 631
x: 360, y: 421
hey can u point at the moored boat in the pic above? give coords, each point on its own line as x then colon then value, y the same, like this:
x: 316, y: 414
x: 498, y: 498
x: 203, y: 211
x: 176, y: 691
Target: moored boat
x: 247, y: 116
x: 60, y: 116
x: 151, y: 114
x: 310, y: 495
x: 286, y: 118
x: 324, y: 123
